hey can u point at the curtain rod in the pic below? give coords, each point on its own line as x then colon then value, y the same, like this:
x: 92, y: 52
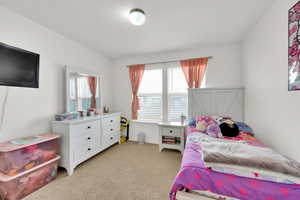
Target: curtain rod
x: 209, y: 57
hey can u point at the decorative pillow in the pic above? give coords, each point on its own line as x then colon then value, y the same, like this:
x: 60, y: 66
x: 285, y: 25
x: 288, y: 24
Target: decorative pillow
x: 214, y: 130
x: 209, y: 126
x: 229, y: 129
x: 203, y: 123
x: 192, y: 123
x: 202, y: 126
x: 245, y: 128
x: 205, y: 118
x: 220, y: 119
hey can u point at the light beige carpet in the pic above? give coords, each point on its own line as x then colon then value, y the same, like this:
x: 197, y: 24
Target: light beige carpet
x: 124, y: 172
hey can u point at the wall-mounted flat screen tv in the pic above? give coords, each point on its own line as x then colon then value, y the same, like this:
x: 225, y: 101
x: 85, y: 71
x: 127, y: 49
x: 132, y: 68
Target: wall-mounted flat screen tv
x: 18, y: 67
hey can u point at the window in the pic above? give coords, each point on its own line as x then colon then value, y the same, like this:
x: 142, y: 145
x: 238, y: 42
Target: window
x: 177, y: 94
x: 150, y: 95
x: 163, y: 93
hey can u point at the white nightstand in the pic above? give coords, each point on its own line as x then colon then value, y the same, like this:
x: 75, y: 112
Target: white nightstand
x: 171, y: 135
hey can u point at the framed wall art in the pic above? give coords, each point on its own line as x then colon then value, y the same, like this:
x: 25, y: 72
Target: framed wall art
x: 294, y: 47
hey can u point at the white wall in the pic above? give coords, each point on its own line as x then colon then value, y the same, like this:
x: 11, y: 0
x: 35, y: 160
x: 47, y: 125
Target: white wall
x: 29, y: 111
x: 271, y: 109
x: 224, y: 70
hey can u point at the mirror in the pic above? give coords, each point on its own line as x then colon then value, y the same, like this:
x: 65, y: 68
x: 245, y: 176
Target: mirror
x: 83, y: 91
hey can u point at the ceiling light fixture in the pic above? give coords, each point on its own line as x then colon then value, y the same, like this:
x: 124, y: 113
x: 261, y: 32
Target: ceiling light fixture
x: 137, y: 16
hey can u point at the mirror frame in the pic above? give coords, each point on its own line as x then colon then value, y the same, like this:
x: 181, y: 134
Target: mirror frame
x: 69, y: 70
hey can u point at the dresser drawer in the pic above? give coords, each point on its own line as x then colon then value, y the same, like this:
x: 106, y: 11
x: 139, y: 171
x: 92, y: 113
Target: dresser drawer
x: 111, y: 124
x: 84, y: 128
x: 110, y: 129
x: 110, y: 139
x: 111, y: 120
x: 84, y: 140
x: 171, y: 132
x: 83, y: 154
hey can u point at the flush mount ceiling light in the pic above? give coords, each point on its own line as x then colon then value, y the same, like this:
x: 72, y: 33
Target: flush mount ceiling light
x: 137, y: 16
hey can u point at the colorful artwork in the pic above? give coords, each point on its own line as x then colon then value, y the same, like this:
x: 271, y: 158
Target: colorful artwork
x: 294, y: 47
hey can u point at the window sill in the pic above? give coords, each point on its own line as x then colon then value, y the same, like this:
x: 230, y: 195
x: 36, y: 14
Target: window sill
x: 146, y: 122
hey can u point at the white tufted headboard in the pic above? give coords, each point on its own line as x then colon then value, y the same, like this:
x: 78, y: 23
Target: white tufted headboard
x: 216, y: 101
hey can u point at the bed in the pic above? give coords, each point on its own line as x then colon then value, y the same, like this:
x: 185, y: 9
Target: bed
x: 196, y: 180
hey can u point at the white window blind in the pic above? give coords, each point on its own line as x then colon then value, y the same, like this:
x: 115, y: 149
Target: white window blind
x: 163, y: 93
x: 177, y: 93
x: 150, y: 95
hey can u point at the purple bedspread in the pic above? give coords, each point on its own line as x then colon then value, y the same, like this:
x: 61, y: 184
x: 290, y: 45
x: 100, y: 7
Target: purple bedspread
x: 194, y: 176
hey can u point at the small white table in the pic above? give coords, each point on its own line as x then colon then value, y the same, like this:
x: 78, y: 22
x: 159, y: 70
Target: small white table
x: 171, y: 135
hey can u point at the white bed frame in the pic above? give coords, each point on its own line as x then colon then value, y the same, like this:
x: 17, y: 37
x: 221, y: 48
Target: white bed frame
x: 213, y: 102
x: 216, y: 101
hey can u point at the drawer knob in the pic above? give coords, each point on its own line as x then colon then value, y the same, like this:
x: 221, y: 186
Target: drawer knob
x: 88, y: 127
x: 111, y: 121
x: 89, y: 149
x: 171, y: 131
x: 111, y: 129
x: 88, y: 138
x: 111, y: 138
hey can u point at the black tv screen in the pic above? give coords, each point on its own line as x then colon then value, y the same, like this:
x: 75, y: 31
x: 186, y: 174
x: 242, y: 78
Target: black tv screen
x: 18, y: 67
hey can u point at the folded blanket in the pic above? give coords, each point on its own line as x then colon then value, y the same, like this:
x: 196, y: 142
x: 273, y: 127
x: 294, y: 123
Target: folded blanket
x: 240, y: 153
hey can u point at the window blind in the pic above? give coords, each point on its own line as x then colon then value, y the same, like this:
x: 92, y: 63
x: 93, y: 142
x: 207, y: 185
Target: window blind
x: 150, y: 107
x: 177, y: 93
x: 150, y: 95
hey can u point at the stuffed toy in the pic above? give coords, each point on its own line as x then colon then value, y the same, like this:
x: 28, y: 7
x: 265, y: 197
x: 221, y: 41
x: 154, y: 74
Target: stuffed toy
x: 201, y: 126
x: 229, y: 129
x: 214, y: 130
x: 203, y: 122
x: 192, y: 123
x: 208, y: 125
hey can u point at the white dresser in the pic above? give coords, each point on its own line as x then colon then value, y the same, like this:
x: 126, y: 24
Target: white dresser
x: 83, y: 138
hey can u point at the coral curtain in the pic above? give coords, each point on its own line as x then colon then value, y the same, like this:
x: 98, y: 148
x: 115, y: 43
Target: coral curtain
x: 93, y: 88
x: 194, y: 70
x: 135, y: 74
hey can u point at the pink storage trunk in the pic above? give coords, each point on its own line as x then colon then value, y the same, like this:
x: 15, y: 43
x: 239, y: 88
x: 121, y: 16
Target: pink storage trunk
x: 18, y: 186
x: 17, y: 156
